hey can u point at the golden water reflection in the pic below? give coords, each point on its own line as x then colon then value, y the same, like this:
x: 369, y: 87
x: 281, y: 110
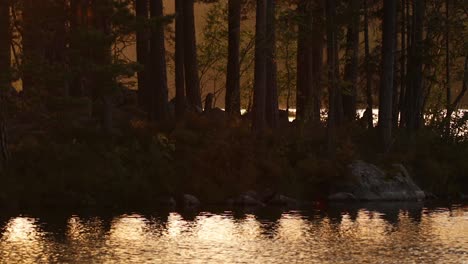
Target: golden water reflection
x: 339, y: 235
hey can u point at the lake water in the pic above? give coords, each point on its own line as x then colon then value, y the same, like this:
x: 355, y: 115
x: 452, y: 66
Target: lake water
x: 367, y: 233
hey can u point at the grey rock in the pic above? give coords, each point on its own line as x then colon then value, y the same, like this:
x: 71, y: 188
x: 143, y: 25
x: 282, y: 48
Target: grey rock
x: 166, y: 202
x: 283, y: 200
x: 371, y: 183
x: 463, y: 197
x: 246, y: 200
x: 342, y: 196
x: 190, y: 201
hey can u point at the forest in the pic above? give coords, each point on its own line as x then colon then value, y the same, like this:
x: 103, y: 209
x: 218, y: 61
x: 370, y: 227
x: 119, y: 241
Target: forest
x: 278, y: 95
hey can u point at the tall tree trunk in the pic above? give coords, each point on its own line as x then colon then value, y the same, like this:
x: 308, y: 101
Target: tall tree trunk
x: 179, y: 60
x: 304, y: 58
x: 5, y: 63
x: 31, y: 44
x: 76, y: 24
x: 401, y: 101
x: 142, y: 49
x: 192, y: 81
x: 258, y: 122
x: 272, y: 109
x: 386, y: 81
x: 316, y: 68
x: 102, y: 80
x: 5, y: 44
x: 158, y: 80
x: 447, y: 55
x: 452, y: 106
x: 369, y: 116
x: 408, y: 74
x: 232, y: 101
x: 352, y: 63
x: 333, y: 90
x: 415, y: 89
x: 396, y: 55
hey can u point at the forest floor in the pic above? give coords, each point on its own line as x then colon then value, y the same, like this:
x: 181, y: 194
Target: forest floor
x: 61, y: 158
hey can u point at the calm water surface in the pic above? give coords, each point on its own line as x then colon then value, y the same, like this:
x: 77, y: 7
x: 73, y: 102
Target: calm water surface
x: 372, y: 233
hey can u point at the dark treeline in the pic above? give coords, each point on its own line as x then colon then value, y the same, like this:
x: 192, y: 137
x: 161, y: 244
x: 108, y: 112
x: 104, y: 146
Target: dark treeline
x: 407, y: 58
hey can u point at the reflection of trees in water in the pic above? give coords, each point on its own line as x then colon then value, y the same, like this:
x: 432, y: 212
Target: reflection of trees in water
x: 347, y: 232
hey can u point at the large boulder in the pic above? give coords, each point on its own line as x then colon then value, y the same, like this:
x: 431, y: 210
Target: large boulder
x: 370, y: 183
x: 190, y: 201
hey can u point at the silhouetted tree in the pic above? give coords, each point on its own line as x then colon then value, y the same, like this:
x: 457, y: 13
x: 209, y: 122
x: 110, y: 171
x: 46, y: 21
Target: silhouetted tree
x: 386, y: 81
x: 304, y: 60
x: 334, y: 104
x: 232, y: 101
x: 271, y: 103
x: 369, y: 99
x: 414, y: 94
x: 192, y: 81
x: 351, y: 71
x: 258, y: 121
x: 5, y: 44
x: 158, y: 80
x: 142, y: 49
x: 179, y: 59
x: 5, y: 61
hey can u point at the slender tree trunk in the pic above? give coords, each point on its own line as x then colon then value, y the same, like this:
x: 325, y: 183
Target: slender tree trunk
x: 5, y: 63
x: 352, y: 63
x: 396, y: 55
x: 192, y: 81
x: 179, y: 60
x: 405, y: 111
x: 158, y: 82
x: 369, y: 116
x: 447, y: 55
x: 272, y: 108
x: 386, y: 81
x: 317, y: 60
x: 76, y: 23
x: 142, y: 49
x: 258, y: 122
x: 102, y: 81
x: 232, y: 101
x: 333, y: 103
x: 304, y: 59
x: 31, y: 43
x: 452, y: 107
x: 5, y: 44
x: 415, y: 93
x: 401, y: 101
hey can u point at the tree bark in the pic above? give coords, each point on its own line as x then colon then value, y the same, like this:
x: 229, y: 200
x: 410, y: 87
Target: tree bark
x: 258, y: 122
x: 369, y: 117
x: 179, y: 60
x: 333, y: 90
x: 5, y: 44
x: 352, y: 63
x: 76, y: 22
x: 5, y: 63
x: 386, y: 81
x: 158, y: 79
x: 232, y: 100
x: 272, y: 109
x: 317, y: 60
x: 31, y: 44
x: 304, y: 58
x: 403, y: 29
x: 447, y: 56
x: 452, y: 106
x: 192, y: 81
x: 415, y: 98
x: 142, y: 49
